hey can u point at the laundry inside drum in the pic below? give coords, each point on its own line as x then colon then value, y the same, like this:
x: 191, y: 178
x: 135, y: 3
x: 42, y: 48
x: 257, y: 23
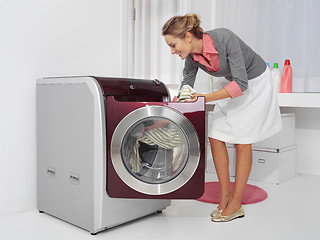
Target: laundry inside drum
x: 155, y: 150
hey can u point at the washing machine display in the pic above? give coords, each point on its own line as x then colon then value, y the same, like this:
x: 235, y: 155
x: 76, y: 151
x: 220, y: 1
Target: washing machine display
x: 155, y: 150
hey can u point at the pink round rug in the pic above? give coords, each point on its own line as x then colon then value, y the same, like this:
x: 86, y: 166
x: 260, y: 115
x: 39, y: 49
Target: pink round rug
x: 252, y: 194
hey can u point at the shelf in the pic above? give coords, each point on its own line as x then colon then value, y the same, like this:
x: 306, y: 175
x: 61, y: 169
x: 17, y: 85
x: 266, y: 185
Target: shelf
x: 305, y: 100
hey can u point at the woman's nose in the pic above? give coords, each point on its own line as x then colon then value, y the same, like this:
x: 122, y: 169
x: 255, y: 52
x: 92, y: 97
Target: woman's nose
x: 173, y: 51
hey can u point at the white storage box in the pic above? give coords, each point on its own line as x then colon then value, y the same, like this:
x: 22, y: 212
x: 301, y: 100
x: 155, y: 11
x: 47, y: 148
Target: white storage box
x: 274, y: 166
x: 232, y: 160
x: 282, y: 139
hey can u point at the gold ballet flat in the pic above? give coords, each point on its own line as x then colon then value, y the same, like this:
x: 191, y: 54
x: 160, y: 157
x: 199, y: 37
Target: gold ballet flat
x: 221, y: 218
x: 216, y: 212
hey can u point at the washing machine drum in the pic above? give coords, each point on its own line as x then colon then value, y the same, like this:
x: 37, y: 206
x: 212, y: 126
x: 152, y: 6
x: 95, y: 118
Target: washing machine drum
x: 155, y: 154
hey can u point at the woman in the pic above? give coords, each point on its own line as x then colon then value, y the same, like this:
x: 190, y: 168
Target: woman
x: 246, y: 108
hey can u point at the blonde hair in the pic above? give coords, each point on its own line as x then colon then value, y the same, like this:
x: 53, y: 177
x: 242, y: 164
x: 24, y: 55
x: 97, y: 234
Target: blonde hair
x: 178, y: 26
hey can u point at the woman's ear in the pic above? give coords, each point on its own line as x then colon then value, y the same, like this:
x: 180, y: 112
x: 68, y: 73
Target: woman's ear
x: 188, y: 37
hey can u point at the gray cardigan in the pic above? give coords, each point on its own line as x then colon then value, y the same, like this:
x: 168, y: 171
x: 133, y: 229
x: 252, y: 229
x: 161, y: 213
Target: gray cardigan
x: 238, y: 61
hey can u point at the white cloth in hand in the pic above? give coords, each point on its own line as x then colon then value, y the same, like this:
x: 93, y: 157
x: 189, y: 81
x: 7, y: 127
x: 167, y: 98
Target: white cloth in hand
x: 185, y: 93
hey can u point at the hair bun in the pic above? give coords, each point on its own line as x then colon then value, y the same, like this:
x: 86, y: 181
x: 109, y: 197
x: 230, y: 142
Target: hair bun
x: 193, y: 18
x: 180, y: 25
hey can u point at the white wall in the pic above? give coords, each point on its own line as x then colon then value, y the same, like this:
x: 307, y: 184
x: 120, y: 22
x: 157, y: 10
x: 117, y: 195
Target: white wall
x: 41, y: 38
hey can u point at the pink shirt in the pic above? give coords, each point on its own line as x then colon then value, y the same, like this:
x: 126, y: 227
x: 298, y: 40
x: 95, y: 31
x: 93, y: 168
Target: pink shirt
x: 210, y: 59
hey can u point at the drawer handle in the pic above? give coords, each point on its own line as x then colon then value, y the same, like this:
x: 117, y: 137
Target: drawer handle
x: 75, y: 178
x: 51, y: 172
x: 261, y: 160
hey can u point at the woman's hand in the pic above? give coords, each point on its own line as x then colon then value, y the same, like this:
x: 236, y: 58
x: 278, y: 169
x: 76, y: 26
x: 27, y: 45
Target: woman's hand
x: 195, y: 97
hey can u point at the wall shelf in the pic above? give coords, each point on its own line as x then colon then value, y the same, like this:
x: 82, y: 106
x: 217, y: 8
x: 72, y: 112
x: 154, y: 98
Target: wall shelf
x: 305, y: 100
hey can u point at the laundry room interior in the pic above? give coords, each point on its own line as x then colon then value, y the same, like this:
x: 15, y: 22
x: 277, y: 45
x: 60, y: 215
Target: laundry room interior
x: 85, y: 45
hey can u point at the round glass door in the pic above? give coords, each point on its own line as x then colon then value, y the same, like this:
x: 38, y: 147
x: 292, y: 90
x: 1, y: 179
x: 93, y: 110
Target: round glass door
x: 155, y: 150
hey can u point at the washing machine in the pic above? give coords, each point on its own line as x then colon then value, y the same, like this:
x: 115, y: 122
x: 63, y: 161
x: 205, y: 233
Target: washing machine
x: 111, y: 150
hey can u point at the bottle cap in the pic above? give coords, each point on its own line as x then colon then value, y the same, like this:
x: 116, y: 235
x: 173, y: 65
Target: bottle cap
x: 287, y: 62
x: 275, y: 65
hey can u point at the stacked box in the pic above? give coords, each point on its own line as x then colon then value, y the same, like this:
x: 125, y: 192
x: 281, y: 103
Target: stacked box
x: 274, y: 159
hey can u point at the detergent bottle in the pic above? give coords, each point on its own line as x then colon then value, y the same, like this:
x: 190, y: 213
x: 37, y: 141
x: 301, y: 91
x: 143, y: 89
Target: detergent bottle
x: 286, y: 81
x: 276, y: 76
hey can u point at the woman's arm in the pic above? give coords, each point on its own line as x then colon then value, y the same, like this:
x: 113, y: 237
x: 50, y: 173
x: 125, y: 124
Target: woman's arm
x: 236, y: 62
x: 213, y: 96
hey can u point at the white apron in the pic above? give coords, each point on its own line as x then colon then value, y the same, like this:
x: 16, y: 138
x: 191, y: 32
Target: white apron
x: 249, y: 118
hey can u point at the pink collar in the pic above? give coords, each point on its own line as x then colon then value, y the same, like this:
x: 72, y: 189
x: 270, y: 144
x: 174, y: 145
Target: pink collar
x: 210, y: 53
x: 207, y: 46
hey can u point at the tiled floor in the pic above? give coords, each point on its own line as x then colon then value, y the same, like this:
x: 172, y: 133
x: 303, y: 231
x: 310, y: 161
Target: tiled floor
x: 291, y: 211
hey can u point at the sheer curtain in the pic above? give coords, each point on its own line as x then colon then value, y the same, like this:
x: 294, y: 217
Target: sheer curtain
x: 279, y: 30
x: 152, y: 56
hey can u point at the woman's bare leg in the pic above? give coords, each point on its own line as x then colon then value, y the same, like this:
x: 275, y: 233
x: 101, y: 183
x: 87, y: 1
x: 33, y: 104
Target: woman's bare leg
x: 243, y: 168
x: 221, y: 163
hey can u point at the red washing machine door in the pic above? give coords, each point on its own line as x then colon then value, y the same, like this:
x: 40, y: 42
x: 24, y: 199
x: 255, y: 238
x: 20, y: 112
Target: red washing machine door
x: 155, y: 149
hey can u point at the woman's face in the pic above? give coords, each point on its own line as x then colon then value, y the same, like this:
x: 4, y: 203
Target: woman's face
x: 179, y: 46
